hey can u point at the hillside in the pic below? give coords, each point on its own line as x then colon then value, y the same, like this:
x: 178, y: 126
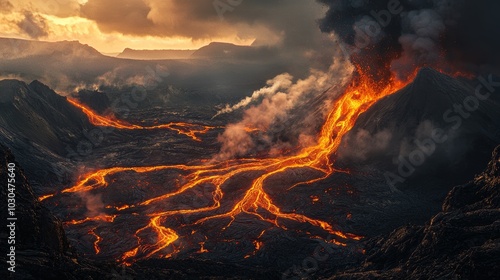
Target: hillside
x: 392, y: 128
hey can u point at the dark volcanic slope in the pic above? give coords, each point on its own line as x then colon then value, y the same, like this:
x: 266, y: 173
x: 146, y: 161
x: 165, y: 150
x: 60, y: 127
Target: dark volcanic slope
x: 432, y: 101
x: 40, y: 238
x: 36, y: 113
x: 39, y: 125
x: 461, y: 242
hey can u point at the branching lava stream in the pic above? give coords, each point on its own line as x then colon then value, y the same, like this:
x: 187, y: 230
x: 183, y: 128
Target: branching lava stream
x: 190, y: 130
x: 255, y: 201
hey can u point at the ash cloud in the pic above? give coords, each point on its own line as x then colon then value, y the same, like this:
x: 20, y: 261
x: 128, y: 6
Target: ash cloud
x: 445, y: 34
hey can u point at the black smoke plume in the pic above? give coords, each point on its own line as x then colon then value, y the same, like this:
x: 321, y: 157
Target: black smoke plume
x: 402, y: 35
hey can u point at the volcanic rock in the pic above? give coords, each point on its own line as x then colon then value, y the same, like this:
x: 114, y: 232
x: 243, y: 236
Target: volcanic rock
x: 433, y: 101
x: 461, y: 242
x: 43, y: 252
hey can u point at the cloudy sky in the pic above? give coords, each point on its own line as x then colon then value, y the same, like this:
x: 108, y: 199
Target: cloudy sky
x: 112, y: 25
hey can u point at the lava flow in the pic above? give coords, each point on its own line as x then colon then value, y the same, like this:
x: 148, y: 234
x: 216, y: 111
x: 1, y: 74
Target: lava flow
x: 102, y: 218
x: 362, y: 93
x: 188, y: 129
x: 97, y: 240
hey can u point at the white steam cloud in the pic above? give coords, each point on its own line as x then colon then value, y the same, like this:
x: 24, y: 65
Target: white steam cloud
x: 280, y: 82
x: 282, y: 105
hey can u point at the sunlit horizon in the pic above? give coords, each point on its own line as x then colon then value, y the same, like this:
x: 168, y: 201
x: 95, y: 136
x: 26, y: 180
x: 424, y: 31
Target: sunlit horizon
x: 141, y: 25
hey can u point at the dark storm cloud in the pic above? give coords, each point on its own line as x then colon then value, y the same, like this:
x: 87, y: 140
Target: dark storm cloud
x: 296, y: 18
x: 292, y: 19
x: 33, y: 25
x: 474, y: 39
x: 443, y: 33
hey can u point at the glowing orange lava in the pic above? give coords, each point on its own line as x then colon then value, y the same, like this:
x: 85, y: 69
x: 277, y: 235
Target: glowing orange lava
x: 188, y: 129
x: 164, y: 237
x: 44, y: 197
x: 202, y: 248
x: 100, y: 218
x: 357, y: 98
x: 97, y: 240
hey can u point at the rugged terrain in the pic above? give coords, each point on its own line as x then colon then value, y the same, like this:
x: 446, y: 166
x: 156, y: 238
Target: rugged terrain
x: 38, y: 126
x: 460, y: 242
x: 43, y: 250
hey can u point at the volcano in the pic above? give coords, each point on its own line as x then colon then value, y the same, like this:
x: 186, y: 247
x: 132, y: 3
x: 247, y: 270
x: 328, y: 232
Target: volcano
x: 433, y: 101
x: 276, y: 220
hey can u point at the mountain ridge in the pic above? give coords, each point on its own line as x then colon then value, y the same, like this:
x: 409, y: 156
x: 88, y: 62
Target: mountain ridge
x: 18, y: 48
x: 38, y: 125
x: 128, y: 53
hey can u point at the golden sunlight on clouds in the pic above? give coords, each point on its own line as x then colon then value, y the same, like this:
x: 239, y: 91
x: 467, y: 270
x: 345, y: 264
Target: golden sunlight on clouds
x: 87, y: 32
x: 113, y: 25
x: 61, y: 8
x: 57, y: 20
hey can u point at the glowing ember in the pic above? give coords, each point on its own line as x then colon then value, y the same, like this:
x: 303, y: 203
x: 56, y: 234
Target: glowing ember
x: 202, y: 248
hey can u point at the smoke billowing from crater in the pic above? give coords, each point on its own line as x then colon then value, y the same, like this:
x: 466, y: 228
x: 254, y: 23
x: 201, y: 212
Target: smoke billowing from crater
x: 402, y: 35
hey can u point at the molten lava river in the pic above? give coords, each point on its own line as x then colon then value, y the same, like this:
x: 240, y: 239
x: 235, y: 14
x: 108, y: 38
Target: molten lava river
x: 192, y: 209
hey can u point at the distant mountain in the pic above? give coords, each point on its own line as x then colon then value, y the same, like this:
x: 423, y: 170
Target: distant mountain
x: 155, y: 54
x: 217, y: 50
x: 19, y: 48
x: 71, y: 66
x: 62, y: 65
